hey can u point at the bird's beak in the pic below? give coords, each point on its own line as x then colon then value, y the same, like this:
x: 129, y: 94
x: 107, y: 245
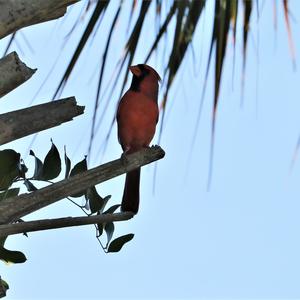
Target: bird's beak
x: 135, y: 70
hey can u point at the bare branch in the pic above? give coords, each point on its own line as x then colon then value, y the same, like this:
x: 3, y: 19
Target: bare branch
x: 46, y: 224
x: 16, y: 14
x: 20, y: 123
x: 13, y: 72
x: 14, y: 208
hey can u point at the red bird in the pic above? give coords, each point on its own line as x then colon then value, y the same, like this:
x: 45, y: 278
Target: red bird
x: 137, y: 116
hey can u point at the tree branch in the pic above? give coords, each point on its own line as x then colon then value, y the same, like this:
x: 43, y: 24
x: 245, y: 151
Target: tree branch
x: 20, y: 123
x: 13, y: 72
x: 30, y: 226
x: 16, y: 14
x: 14, y: 208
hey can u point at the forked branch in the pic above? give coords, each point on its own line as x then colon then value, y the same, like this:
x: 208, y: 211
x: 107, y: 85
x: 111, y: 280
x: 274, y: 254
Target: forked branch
x: 14, y: 208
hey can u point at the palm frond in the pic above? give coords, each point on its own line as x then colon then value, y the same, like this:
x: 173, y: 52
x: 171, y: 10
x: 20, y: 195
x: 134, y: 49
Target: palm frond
x: 184, y: 31
x: 289, y: 30
x: 11, y: 39
x: 220, y: 33
x: 162, y: 29
x: 234, y: 14
x: 181, y: 18
x: 99, y: 8
x: 101, y: 76
x: 247, y: 14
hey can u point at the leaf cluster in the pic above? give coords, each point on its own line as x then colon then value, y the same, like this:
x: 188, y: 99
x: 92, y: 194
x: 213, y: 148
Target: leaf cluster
x: 13, y: 171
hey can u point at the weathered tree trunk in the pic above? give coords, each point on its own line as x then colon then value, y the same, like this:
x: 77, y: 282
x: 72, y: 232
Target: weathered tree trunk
x: 16, y: 14
x: 13, y: 72
x: 20, y: 123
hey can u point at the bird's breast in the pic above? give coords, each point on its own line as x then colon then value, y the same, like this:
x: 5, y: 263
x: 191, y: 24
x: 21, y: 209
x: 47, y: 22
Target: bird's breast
x: 137, y: 117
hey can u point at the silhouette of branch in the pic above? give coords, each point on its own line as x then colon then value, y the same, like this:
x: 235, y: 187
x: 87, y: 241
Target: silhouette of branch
x: 30, y: 226
x: 14, y: 208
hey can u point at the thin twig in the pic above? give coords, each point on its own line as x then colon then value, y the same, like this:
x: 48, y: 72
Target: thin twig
x: 30, y: 226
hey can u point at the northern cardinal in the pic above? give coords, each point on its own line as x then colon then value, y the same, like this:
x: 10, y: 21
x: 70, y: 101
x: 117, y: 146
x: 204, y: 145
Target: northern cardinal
x: 137, y: 116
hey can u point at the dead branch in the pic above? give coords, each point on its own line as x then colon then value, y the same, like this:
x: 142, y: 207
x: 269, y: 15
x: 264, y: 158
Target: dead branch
x: 30, y: 226
x: 14, y: 208
x: 20, y: 123
x: 13, y: 72
x: 16, y: 14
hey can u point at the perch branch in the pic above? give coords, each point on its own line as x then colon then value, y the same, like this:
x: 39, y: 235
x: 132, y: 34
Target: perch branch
x: 46, y: 224
x: 13, y: 72
x: 19, y: 123
x: 16, y: 14
x: 14, y: 208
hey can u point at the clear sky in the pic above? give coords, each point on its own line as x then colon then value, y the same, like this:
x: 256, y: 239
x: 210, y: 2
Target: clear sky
x: 239, y: 240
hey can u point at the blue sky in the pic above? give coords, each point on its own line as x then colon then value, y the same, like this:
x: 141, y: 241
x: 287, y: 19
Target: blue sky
x: 238, y: 240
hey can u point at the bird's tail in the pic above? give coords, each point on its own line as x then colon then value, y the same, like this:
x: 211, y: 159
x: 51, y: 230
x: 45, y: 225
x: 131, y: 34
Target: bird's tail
x: 131, y: 195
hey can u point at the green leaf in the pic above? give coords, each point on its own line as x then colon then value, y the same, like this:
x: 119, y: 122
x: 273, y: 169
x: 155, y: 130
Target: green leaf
x: 52, y: 164
x: 96, y: 202
x: 100, y: 227
x: 38, y: 169
x: 9, y: 193
x: 117, y: 244
x: 68, y: 164
x: 79, y: 168
x: 109, y: 229
x: 112, y: 209
x: 22, y: 170
x: 9, y: 256
x: 30, y: 187
x: 9, y: 167
x: 4, y: 284
x: 105, y: 200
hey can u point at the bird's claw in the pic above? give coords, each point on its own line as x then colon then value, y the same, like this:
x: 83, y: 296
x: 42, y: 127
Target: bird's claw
x: 124, y: 158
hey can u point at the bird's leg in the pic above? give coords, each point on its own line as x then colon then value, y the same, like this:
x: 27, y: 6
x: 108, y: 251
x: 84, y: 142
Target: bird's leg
x: 124, y: 155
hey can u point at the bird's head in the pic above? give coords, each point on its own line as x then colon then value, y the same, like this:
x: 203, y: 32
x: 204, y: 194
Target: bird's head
x: 145, y: 79
x: 142, y: 71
